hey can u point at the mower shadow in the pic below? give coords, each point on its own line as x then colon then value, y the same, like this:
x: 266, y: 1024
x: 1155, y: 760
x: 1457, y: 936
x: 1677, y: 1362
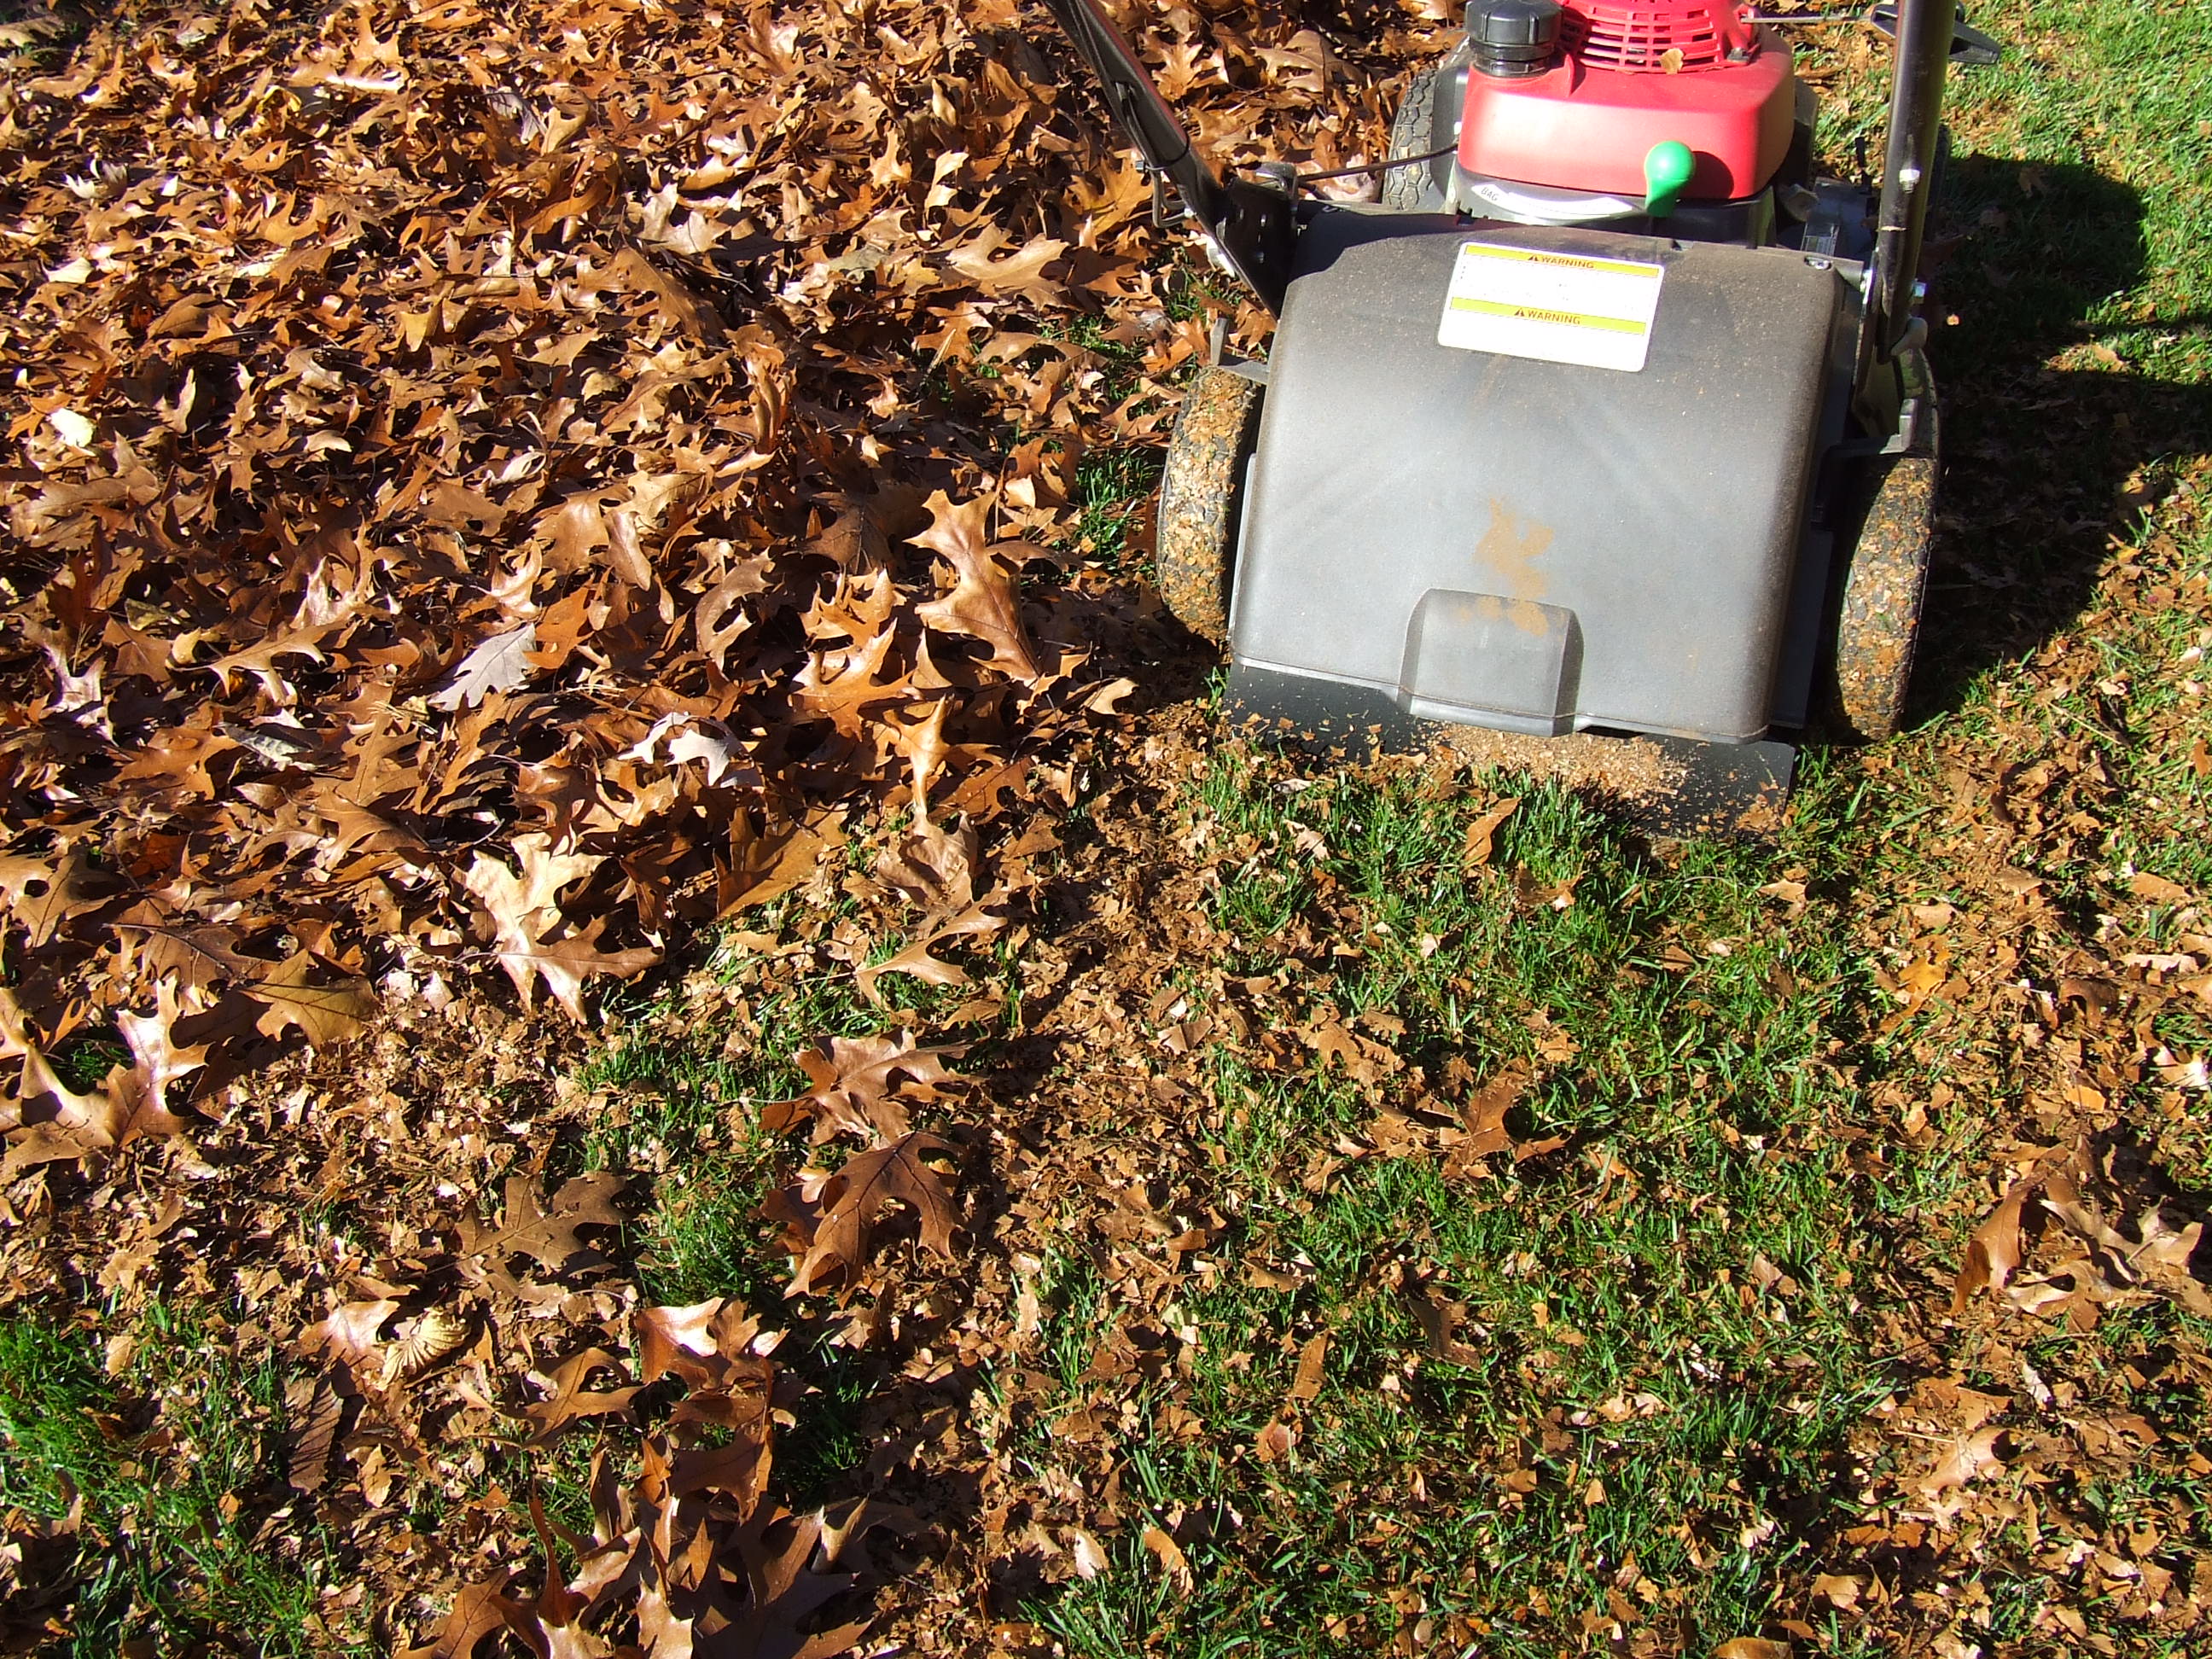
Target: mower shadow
x: 2045, y: 432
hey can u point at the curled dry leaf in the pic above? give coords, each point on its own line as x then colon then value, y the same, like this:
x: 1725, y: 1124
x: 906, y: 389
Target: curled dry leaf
x: 860, y: 1085
x: 431, y: 1336
x: 1313, y: 1360
x: 1173, y: 1562
x: 985, y: 602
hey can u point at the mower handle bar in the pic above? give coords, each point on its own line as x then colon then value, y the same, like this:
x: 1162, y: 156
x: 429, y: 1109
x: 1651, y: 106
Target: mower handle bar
x: 1250, y: 226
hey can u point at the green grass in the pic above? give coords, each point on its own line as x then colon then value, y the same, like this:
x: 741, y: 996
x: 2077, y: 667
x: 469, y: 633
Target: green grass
x: 176, y: 1462
x: 1706, y: 1037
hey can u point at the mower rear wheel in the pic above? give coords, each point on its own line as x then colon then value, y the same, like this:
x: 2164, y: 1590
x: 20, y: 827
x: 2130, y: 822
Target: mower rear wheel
x: 1878, y: 623
x: 1201, y: 493
x: 1407, y: 188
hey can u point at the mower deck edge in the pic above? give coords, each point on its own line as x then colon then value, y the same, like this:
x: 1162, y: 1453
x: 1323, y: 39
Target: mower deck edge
x: 1733, y: 790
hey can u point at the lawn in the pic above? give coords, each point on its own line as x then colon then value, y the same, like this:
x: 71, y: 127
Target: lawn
x: 1395, y: 1208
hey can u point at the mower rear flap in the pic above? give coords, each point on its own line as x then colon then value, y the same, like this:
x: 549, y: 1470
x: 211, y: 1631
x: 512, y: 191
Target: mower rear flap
x: 1528, y: 545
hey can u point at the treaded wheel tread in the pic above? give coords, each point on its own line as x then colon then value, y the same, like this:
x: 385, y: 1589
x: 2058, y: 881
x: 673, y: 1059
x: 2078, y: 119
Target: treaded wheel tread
x: 1403, y: 188
x: 1199, y: 490
x: 1878, y: 623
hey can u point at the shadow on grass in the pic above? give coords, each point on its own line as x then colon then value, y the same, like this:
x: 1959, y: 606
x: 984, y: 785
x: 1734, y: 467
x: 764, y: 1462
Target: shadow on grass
x: 2053, y: 440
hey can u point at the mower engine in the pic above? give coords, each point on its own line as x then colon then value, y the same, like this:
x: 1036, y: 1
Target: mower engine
x: 1576, y: 114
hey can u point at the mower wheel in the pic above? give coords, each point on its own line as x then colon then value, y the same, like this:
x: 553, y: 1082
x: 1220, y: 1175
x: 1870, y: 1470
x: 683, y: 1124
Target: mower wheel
x: 1201, y: 490
x: 1407, y: 188
x: 1878, y: 625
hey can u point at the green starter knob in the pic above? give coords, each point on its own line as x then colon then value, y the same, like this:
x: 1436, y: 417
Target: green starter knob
x: 1668, y: 166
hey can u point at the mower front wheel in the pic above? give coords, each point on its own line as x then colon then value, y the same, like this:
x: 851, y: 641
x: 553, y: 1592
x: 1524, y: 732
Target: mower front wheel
x: 1884, y: 586
x: 1201, y: 493
x: 1408, y: 189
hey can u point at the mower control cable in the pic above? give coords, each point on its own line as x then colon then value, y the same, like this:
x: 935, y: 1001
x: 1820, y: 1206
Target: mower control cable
x: 1373, y: 166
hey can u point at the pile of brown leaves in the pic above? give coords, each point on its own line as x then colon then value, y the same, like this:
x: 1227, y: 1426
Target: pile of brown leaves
x: 465, y: 464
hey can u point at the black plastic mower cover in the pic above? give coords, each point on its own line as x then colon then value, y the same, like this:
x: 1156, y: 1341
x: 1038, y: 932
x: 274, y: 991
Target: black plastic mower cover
x: 1250, y: 224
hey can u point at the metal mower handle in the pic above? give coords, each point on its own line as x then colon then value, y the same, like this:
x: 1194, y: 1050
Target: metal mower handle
x: 1924, y: 33
x: 1251, y: 226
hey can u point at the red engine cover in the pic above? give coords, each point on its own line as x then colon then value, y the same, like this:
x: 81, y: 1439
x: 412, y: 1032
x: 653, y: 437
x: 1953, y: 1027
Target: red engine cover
x: 1632, y: 75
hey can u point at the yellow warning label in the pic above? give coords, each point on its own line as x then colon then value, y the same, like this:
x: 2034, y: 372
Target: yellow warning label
x: 1560, y: 307
x: 1539, y: 314
x: 1569, y: 261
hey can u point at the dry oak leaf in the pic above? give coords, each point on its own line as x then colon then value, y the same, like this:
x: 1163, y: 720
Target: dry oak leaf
x: 1171, y: 1556
x: 985, y: 602
x: 324, y: 1013
x: 567, y: 1399
x: 524, y: 909
x: 857, y: 1081
x: 126, y: 1105
x: 314, y: 1409
x: 546, y: 1234
x: 1020, y: 274
x: 479, y: 1610
x: 1993, y: 1254
x: 915, y: 958
x: 1481, y: 838
x: 851, y: 1202
x: 1313, y: 1360
x: 677, y: 1339
x: 1968, y: 1458
x: 498, y: 664
x: 348, y: 1334
x: 1751, y: 1647
x: 44, y: 896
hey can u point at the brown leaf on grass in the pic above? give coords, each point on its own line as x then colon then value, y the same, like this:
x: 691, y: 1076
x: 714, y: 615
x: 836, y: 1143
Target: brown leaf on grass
x: 547, y: 1233
x: 314, y: 1415
x: 479, y: 1610
x: 859, y: 1087
x: 1966, y: 1458
x: 1838, y: 1590
x: 349, y: 1333
x: 1751, y: 1647
x: 2140, y: 1241
x: 1173, y: 1562
x: 1484, y: 1114
x: 767, y: 867
x: 2157, y: 890
x: 1313, y: 1360
x: 1993, y: 1253
x: 985, y: 602
x: 1480, y: 841
x: 850, y: 1204
x: 524, y: 909
x: 1272, y: 1444
x: 55, y: 1123
x: 933, y: 866
x: 569, y: 1399
x: 1020, y: 274
x: 1440, y: 1319
x: 916, y: 959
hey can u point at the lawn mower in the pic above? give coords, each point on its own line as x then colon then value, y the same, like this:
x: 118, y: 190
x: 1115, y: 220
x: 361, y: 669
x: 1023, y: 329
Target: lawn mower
x: 1612, y: 416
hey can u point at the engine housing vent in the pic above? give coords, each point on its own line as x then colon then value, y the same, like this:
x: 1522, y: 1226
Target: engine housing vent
x: 1657, y: 38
